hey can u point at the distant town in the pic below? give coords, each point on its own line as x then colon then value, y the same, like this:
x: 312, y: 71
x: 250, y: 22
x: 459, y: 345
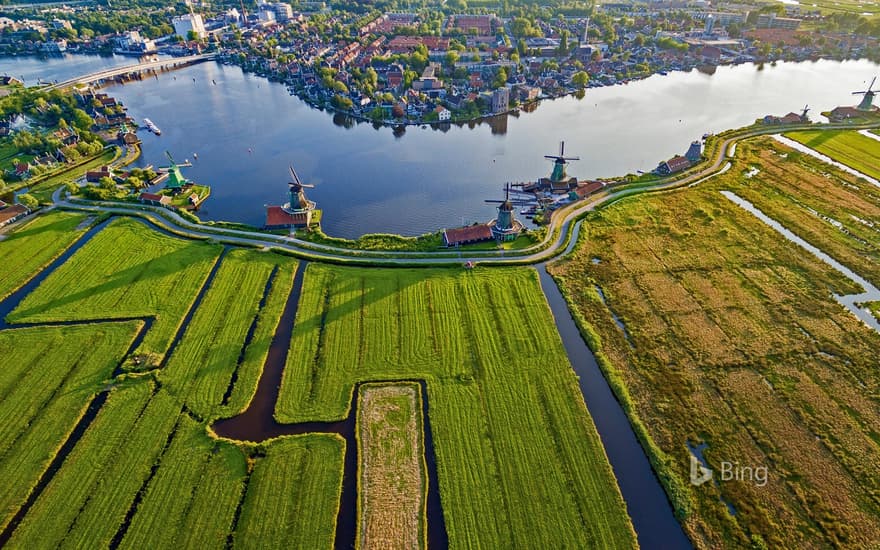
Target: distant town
x: 451, y: 63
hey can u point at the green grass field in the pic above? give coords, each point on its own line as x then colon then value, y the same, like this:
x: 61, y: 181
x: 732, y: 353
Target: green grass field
x: 293, y: 495
x: 845, y: 146
x: 733, y: 338
x: 50, y: 374
x: 518, y: 456
x: 201, y: 369
x: 504, y: 402
x: 126, y: 270
x: 34, y: 245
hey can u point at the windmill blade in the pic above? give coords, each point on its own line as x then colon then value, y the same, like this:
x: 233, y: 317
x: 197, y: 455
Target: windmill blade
x: 170, y: 158
x: 871, y: 86
x: 309, y: 185
x: 859, y: 93
x: 293, y: 175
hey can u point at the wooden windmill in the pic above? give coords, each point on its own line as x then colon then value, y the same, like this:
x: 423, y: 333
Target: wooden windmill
x: 867, y: 103
x: 297, y: 201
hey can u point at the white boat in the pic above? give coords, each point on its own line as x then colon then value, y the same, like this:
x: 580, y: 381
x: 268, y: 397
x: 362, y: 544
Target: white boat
x: 152, y: 127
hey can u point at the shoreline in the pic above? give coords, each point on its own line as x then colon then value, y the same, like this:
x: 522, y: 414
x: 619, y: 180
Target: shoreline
x: 557, y: 239
x: 225, y: 59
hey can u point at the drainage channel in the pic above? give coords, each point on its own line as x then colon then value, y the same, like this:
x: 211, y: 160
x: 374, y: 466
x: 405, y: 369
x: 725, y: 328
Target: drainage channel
x: 258, y: 423
x: 646, y: 501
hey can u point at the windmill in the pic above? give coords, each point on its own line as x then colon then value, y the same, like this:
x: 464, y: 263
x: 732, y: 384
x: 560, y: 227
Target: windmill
x: 559, y: 161
x: 804, y: 113
x: 297, y: 197
x: 868, y: 99
x: 176, y: 181
x: 506, y: 227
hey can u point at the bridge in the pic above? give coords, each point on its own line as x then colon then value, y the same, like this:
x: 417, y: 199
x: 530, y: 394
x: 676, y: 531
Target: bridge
x: 135, y: 69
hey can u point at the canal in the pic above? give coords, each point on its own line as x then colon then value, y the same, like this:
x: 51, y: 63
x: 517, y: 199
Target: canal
x: 246, y: 130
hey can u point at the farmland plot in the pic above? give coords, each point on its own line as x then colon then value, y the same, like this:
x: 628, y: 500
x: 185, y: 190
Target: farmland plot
x: 127, y: 270
x: 35, y: 244
x: 49, y: 376
x: 737, y: 342
x: 519, y: 461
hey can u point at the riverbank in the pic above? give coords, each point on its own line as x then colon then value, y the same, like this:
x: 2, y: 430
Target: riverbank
x: 557, y: 238
x: 514, y: 110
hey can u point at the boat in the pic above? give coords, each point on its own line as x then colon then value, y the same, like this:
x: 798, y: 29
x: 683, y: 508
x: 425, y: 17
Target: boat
x: 152, y: 127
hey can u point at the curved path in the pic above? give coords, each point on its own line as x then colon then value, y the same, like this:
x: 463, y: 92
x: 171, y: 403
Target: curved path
x: 561, y: 235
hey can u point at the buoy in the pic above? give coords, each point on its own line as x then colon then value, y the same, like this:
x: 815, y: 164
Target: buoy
x: 195, y: 156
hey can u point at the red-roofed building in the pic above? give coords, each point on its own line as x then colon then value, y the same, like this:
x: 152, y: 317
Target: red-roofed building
x: 12, y: 213
x: 279, y: 218
x: 23, y: 170
x: 154, y: 199
x: 94, y: 176
x: 406, y: 44
x: 843, y: 113
x: 585, y: 189
x: 467, y: 235
x: 673, y: 165
x: 484, y: 24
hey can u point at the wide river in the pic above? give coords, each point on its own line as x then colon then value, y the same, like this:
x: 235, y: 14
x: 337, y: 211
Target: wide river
x: 246, y: 131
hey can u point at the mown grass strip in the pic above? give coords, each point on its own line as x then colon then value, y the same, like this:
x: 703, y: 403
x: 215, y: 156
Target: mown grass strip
x: 845, y: 146
x: 127, y: 270
x: 157, y: 518
x: 34, y: 245
x: 200, y: 369
x: 482, y: 340
x: 61, y: 369
x: 293, y: 495
x: 52, y: 515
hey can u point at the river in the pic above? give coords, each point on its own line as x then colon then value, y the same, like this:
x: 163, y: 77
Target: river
x: 246, y: 131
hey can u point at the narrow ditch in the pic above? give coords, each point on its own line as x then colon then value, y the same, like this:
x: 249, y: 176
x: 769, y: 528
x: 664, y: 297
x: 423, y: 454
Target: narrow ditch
x: 258, y: 423
x: 646, y: 502
x: 249, y: 336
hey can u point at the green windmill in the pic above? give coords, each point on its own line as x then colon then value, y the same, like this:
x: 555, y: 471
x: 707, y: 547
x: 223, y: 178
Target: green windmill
x: 176, y: 182
x: 506, y: 226
x: 559, y: 162
x: 867, y: 103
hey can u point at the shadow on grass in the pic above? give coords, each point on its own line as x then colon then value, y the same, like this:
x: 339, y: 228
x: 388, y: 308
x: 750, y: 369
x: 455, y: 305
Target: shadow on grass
x: 148, y: 270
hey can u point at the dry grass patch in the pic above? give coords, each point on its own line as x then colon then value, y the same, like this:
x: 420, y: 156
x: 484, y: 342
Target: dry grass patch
x: 742, y: 368
x: 392, y: 483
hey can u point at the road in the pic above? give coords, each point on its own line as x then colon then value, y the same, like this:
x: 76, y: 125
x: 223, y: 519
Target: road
x: 564, y: 222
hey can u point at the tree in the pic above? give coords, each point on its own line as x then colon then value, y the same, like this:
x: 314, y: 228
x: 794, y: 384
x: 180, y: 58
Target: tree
x: 563, y: 42
x: 29, y: 201
x: 342, y: 102
x: 580, y: 79
x: 107, y: 182
x: 81, y: 120
x: 451, y: 58
x: 734, y: 30
x: 500, y: 78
